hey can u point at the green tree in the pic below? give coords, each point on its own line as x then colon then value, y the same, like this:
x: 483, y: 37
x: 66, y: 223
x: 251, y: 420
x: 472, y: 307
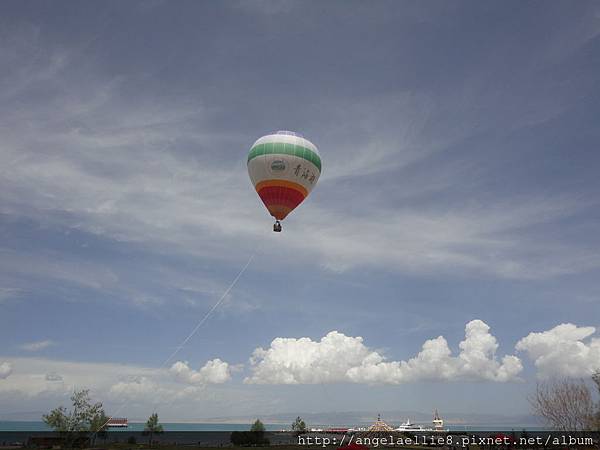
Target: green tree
x: 99, y: 426
x: 253, y: 438
x: 299, y: 426
x: 77, y: 423
x: 153, y: 427
x: 58, y: 419
x: 257, y: 426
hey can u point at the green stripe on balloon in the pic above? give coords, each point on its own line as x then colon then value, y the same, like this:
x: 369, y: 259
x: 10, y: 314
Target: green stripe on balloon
x: 281, y: 148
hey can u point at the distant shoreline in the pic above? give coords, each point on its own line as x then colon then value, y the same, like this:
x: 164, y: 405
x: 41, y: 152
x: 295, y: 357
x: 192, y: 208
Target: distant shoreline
x: 34, y: 425
x: 181, y: 426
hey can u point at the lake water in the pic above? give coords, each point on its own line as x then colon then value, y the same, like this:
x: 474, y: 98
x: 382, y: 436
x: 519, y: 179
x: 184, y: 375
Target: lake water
x: 139, y: 426
x: 182, y: 427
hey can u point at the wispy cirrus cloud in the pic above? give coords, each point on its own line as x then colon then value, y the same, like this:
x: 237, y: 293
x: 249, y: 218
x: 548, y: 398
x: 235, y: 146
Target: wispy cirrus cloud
x: 121, y: 172
x: 36, y: 346
x: 7, y: 293
x: 42, y: 384
x: 31, y: 376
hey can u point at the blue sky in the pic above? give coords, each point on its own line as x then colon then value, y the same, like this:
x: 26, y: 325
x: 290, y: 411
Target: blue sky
x: 460, y: 157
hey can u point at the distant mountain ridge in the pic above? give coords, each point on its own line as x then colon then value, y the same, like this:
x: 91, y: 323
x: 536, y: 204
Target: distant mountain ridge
x: 358, y: 418
x: 338, y: 418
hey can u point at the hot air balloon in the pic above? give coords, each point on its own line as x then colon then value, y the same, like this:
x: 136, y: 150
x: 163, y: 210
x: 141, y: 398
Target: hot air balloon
x: 283, y: 167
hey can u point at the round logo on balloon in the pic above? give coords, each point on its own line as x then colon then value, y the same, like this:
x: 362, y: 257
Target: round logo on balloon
x: 278, y: 166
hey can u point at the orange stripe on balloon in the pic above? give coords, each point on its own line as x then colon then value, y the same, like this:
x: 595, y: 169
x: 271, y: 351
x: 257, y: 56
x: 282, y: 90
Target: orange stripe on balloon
x: 281, y: 183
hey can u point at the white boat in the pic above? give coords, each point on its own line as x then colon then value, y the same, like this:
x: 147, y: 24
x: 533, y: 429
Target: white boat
x: 408, y: 426
x: 438, y: 425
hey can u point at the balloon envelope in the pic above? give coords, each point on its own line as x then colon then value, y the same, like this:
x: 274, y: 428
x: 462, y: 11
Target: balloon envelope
x: 283, y: 167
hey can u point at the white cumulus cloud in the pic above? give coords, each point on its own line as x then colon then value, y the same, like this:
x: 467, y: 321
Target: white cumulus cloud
x: 304, y: 361
x: 214, y: 371
x: 340, y: 358
x: 562, y: 351
x: 5, y: 370
x: 135, y: 389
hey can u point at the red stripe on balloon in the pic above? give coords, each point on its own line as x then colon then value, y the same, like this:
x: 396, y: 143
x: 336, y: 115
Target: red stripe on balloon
x: 281, y: 195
